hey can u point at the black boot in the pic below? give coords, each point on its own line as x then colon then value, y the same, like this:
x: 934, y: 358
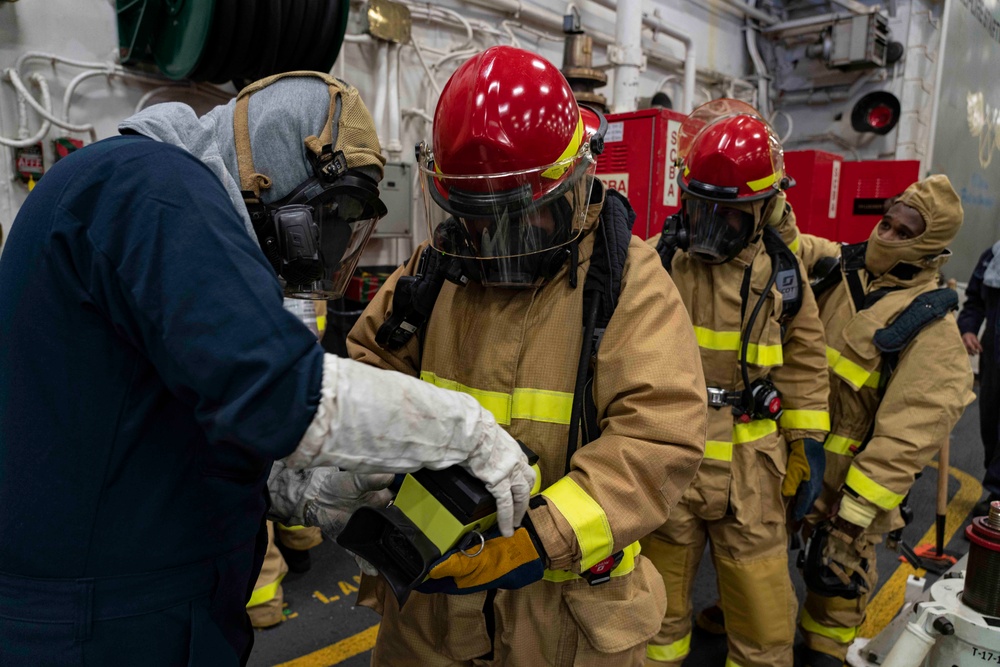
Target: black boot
x: 298, y: 561
x: 812, y: 658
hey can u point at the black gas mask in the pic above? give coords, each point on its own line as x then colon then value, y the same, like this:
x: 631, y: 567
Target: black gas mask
x: 509, y: 252
x: 313, y: 237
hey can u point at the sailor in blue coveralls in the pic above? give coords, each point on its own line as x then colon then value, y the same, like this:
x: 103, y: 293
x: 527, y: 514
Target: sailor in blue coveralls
x: 149, y: 376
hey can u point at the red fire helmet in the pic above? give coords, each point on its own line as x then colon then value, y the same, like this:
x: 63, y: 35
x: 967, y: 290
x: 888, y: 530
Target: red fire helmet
x: 506, y: 110
x: 730, y: 154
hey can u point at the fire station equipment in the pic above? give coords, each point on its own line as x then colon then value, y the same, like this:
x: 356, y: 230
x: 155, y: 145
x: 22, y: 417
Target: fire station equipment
x: 224, y: 40
x: 841, y: 200
x: 940, y: 630
x: 640, y: 149
x: 434, y: 510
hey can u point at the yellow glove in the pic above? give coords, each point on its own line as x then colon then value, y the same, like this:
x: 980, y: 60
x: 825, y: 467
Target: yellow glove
x: 498, y: 562
x: 804, y: 476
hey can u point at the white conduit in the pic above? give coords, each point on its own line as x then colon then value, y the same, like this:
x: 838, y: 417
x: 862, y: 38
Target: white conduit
x: 627, y: 55
x: 395, y: 147
x: 46, y: 113
x: 23, y: 141
x: 657, y: 26
x: 381, y: 89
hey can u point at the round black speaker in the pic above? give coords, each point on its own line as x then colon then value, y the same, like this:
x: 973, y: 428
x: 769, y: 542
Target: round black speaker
x: 876, y: 112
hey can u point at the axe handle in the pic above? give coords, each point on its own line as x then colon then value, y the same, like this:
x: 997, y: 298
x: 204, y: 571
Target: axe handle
x: 942, y: 479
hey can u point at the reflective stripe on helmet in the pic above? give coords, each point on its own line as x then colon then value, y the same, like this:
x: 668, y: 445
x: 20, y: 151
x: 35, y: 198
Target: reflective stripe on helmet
x: 561, y: 164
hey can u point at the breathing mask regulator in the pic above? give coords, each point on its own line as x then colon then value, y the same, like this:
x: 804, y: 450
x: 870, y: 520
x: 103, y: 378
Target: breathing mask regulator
x: 313, y: 236
x: 434, y: 511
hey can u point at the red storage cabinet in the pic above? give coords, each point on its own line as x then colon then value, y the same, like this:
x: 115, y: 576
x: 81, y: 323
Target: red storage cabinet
x: 638, y: 160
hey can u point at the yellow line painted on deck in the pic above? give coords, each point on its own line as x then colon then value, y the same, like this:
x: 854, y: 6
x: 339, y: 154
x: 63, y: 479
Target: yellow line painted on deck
x: 337, y: 653
x: 889, y: 599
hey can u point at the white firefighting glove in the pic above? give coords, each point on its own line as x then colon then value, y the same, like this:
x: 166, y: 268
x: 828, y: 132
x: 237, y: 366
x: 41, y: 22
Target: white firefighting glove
x: 323, y: 497
x: 372, y: 420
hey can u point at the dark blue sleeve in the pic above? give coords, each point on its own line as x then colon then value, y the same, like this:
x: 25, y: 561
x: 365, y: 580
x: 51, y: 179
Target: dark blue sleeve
x: 179, y: 277
x: 970, y: 319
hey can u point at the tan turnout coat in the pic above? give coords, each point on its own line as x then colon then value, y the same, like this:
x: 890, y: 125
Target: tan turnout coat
x: 517, y: 351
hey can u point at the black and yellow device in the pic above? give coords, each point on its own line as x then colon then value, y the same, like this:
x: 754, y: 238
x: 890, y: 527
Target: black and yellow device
x: 434, y: 510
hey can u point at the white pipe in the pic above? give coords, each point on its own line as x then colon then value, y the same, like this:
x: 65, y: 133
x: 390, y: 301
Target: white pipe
x: 381, y: 89
x: 760, y: 69
x: 551, y: 21
x: 77, y: 80
x: 690, y: 67
x: 627, y: 54
x: 928, y: 162
x: 24, y: 141
x: 655, y: 24
x: 395, y: 147
x: 752, y: 12
x: 45, y: 113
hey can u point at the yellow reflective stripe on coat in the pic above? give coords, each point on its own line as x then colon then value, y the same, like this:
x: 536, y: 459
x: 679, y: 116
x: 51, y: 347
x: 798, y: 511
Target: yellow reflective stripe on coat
x: 871, y: 490
x: 807, y: 420
x: 541, y: 405
x: 839, y: 635
x: 838, y: 444
x: 265, y: 593
x: 850, y: 371
x: 290, y: 529
x: 718, y: 450
x: 586, y: 518
x: 675, y: 651
x: 729, y: 341
x: 626, y: 566
x: 795, y: 244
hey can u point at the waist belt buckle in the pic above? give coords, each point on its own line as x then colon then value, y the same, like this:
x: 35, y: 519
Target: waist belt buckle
x: 717, y: 398
x: 601, y: 573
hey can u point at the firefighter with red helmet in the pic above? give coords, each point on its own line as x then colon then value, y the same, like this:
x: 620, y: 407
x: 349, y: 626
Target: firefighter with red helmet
x: 762, y: 351
x: 506, y: 302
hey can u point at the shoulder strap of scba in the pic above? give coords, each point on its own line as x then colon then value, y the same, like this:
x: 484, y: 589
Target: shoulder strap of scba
x: 788, y: 278
x: 251, y: 182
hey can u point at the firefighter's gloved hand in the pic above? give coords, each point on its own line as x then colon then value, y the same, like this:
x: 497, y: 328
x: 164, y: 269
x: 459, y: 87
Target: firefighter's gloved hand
x: 373, y: 420
x: 842, y: 555
x: 493, y: 562
x: 804, y: 477
x: 323, y: 497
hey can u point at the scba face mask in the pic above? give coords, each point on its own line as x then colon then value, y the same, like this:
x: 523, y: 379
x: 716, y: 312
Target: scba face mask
x: 718, y: 232
x: 505, y: 236
x: 314, y: 235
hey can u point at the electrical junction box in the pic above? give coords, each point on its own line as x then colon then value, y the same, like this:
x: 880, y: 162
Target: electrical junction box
x: 396, y: 191
x: 859, y: 41
x: 638, y: 161
x: 841, y: 200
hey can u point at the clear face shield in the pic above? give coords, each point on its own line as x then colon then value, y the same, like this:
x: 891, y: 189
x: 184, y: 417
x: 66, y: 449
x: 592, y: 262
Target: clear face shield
x: 718, y: 231
x: 506, y: 225
x: 321, y: 230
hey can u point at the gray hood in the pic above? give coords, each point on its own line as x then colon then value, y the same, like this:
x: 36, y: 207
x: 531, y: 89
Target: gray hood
x: 207, y: 138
